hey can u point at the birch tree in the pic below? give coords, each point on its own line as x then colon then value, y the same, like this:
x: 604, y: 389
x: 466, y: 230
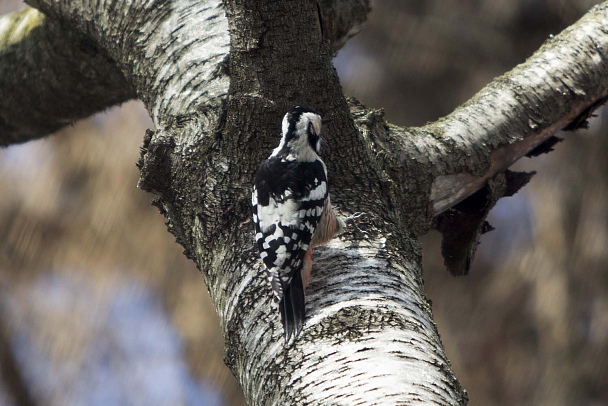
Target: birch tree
x: 216, y: 78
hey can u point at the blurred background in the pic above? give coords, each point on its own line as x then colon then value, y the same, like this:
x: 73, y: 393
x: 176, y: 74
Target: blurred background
x: 98, y: 305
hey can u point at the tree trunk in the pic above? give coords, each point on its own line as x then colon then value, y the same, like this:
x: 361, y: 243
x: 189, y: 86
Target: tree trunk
x: 216, y: 80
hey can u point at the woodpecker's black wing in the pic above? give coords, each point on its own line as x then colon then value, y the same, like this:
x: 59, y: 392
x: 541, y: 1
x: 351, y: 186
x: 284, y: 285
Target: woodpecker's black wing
x: 287, y: 203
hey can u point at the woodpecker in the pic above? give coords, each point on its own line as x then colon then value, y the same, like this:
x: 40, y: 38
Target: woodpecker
x: 292, y: 213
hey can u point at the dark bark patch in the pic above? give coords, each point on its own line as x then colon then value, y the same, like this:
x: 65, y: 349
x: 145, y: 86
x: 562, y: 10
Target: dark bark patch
x: 545, y: 147
x: 462, y: 225
x: 516, y: 180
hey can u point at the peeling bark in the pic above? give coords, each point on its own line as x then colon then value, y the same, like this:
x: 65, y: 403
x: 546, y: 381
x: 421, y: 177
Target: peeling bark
x: 523, y: 108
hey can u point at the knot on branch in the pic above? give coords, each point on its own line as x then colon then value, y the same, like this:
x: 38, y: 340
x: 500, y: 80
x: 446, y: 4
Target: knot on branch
x: 364, y: 115
x: 155, y: 163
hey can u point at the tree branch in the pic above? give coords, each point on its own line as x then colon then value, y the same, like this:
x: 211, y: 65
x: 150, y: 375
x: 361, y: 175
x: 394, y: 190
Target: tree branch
x: 342, y: 19
x: 172, y: 53
x: 51, y: 76
x: 455, y: 156
x: 62, y: 91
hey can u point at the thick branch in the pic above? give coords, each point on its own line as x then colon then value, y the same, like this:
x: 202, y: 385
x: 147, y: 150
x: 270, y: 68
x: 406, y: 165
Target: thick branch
x: 369, y: 337
x: 51, y: 76
x: 66, y: 75
x: 171, y: 52
x: 452, y: 158
x: 521, y: 109
x: 350, y: 325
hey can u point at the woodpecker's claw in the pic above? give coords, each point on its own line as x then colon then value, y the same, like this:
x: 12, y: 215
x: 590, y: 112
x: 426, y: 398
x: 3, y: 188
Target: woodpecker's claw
x: 353, y: 219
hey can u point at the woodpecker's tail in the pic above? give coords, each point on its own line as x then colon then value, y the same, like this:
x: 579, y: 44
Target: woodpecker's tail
x: 292, y: 307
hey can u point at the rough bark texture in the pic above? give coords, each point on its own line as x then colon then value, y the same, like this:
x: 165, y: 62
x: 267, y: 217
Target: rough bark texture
x: 217, y: 101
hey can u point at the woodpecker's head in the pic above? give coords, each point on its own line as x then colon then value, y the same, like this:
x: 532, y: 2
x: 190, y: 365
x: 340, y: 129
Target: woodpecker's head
x: 301, y: 139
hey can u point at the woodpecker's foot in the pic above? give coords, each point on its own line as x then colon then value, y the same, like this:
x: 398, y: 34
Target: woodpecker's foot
x: 354, y: 218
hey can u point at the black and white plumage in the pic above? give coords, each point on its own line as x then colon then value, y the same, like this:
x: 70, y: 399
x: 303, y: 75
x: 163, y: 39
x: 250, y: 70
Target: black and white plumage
x: 292, y: 213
